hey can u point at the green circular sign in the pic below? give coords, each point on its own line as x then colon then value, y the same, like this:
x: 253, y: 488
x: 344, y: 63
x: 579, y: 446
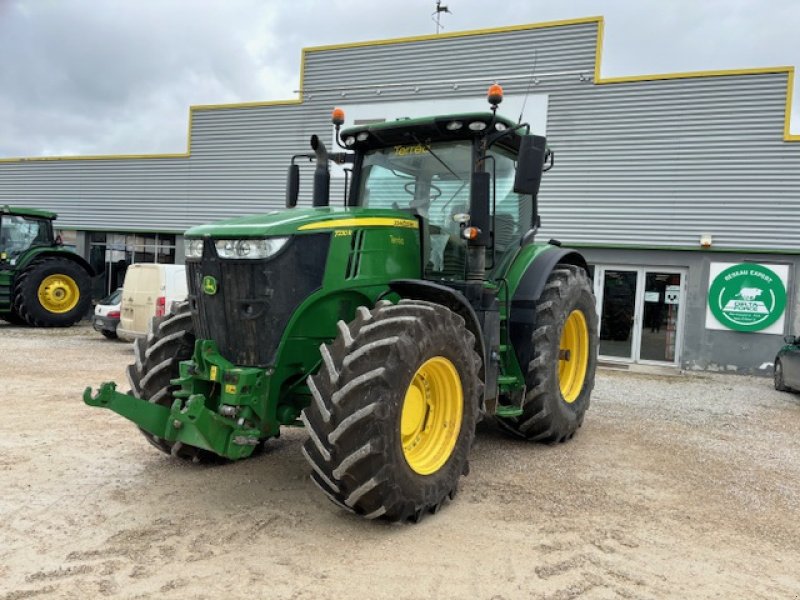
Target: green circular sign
x: 747, y: 297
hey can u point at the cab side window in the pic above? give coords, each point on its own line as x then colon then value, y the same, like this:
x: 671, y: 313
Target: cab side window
x: 513, y: 212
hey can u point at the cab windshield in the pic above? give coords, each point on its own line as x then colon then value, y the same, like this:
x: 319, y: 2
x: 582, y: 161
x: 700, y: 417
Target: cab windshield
x: 18, y: 233
x: 434, y: 181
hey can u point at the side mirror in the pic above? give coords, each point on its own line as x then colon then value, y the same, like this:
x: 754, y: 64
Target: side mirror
x: 292, y: 185
x: 791, y: 340
x: 530, y: 162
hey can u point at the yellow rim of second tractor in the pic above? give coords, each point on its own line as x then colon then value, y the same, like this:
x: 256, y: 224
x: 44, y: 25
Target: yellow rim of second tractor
x: 59, y: 293
x: 431, y: 417
x: 573, y: 356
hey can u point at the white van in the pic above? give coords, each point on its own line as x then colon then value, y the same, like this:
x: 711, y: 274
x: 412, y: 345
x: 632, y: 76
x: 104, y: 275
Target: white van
x: 149, y: 291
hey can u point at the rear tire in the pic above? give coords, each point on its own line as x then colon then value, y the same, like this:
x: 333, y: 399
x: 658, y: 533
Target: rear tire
x: 778, y: 377
x: 391, y: 391
x: 52, y: 292
x: 558, y: 387
x: 111, y: 335
x: 169, y: 341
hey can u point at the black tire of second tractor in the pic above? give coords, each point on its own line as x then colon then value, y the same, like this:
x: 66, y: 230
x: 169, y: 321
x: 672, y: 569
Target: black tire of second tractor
x: 13, y: 318
x: 354, y: 446
x: 546, y: 417
x: 156, y: 360
x: 26, y: 298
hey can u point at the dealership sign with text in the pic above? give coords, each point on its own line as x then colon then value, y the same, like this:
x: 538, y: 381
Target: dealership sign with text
x: 747, y: 297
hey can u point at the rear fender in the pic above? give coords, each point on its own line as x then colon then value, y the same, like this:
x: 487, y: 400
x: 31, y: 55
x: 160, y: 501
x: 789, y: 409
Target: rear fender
x: 526, y: 279
x: 36, y: 253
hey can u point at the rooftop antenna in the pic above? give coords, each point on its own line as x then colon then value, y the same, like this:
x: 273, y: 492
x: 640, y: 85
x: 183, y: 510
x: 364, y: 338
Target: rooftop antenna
x: 437, y: 15
x: 527, y: 91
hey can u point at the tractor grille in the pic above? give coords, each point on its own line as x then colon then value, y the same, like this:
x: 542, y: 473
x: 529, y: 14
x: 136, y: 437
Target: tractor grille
x: 254, y: 298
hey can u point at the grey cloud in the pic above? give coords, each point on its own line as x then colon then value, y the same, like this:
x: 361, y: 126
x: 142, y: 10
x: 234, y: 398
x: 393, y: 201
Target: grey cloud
x: 81, y: 77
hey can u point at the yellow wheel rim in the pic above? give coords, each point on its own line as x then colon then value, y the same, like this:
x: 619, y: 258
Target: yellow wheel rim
x: 573, y: 356
x: 59, y: 293
x: 431, y: 418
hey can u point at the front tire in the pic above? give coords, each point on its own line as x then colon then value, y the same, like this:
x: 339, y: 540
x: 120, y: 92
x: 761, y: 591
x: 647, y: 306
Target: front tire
x: 157, y: 359
x: 560, y: 378
x: 394, y: 408
x: 52, y: 292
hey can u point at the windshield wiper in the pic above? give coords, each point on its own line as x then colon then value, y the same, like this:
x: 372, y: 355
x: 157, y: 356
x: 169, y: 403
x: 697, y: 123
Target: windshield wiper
x: 433, y: 154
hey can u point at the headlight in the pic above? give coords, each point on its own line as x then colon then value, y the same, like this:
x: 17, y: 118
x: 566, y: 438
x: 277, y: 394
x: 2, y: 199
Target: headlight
x: 250, y: 248
x: 193, y: 248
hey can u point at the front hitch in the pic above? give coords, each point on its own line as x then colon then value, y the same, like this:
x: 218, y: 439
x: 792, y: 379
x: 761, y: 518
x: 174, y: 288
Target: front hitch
x: 189, y: 422
x: 150, y: 417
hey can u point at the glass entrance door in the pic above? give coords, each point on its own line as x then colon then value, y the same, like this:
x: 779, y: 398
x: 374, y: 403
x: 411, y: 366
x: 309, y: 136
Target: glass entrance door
x: 640, y: 313
x: 662, y: 303
x: 618, y: 312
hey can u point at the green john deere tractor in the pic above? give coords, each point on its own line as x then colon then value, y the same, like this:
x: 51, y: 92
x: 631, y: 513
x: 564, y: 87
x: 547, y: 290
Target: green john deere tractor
x: 388, y: 327
x: 41, y: 283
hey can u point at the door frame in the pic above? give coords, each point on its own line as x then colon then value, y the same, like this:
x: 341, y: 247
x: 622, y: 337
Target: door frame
x: 638, y: 311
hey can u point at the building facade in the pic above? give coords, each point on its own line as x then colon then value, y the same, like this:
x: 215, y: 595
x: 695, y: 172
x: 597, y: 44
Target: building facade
x: 667, y: 183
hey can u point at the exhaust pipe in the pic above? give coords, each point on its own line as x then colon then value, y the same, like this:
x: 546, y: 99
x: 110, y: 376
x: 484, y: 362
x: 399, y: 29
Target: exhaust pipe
x: 322, y: 174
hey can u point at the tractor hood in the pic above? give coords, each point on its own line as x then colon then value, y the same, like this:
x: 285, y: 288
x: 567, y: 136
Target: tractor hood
x: 303, y: 220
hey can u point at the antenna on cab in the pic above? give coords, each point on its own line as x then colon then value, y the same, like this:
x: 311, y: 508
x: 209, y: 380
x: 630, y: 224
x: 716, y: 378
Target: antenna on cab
x: 527, y: 91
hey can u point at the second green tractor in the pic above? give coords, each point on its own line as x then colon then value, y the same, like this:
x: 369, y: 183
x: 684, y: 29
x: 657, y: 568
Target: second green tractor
x: 388, y: 327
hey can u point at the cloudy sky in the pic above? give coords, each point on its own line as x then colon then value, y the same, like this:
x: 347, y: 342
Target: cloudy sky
x: 113, y: 76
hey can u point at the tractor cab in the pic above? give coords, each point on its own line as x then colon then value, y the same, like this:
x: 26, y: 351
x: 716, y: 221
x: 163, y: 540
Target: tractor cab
x: 429, y: 168
x: 22, y: 229
x: 470, y: 179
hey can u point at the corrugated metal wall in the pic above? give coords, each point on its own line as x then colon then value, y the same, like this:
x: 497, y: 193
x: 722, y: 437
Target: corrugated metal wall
x: 660, y: 163
x: 654, y: 163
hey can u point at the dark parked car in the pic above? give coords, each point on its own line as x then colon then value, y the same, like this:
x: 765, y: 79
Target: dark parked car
x: 787, y: 365
x: 107, y: 313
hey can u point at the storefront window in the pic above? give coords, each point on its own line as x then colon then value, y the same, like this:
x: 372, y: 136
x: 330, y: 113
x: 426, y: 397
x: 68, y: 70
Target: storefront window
x: 111, y: 253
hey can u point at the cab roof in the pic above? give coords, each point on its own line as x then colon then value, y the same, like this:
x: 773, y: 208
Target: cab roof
x: 427, y: 129
x: 27, y: 212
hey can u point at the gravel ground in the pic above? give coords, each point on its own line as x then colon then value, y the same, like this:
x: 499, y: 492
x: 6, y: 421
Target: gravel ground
x: 675, y: 487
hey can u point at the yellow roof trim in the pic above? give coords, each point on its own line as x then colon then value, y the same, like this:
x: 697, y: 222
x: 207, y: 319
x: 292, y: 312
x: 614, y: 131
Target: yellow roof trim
x: 787, y: 118
x: 598, y: 51
x: 93, y: 157
x: 693, y: 74
x: 598, y: 80
x: 246, y: 104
